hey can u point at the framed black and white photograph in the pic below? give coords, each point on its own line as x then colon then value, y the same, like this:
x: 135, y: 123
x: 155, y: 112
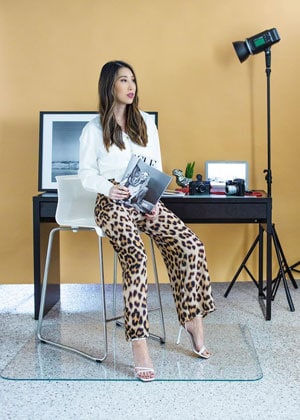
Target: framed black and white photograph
x: 59, y: 144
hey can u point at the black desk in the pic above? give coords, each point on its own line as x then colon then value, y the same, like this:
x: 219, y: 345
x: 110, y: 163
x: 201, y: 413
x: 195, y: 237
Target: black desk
x: 191, y: 209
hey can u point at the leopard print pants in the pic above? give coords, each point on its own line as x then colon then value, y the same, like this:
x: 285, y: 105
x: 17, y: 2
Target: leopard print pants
x: 183, y: 254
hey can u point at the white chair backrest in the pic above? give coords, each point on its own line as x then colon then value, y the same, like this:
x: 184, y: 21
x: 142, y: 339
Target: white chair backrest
x: 75, y: 205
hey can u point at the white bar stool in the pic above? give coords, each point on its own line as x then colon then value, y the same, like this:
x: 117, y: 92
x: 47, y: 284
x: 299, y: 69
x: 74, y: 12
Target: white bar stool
x: 75, y: 212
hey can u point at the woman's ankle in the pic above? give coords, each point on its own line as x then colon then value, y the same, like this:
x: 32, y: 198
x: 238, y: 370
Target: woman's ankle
x: 141, y: 354
x: 195, y: 327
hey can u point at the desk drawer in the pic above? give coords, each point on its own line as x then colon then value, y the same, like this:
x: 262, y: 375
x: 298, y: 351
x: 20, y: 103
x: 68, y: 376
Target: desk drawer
x: 225, y: 212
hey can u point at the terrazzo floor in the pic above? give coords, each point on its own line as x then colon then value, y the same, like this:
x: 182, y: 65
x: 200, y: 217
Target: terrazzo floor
x: 274, y: 395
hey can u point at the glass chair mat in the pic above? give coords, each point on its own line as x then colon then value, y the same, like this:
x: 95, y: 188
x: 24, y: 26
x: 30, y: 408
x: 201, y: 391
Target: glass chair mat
x: 234, y: 356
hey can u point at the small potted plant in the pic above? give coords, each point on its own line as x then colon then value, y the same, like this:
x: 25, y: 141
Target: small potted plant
x: 189, y: 170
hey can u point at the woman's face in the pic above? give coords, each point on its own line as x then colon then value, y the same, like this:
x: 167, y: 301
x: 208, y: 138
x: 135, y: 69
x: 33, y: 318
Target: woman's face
x: 125, y: 86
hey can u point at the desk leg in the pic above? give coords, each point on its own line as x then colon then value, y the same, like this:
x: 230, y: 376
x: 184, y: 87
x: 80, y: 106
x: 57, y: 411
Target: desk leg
x: 40, y: 243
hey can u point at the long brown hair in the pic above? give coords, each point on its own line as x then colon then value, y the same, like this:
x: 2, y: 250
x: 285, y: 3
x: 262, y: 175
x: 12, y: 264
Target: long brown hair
x: 135, y: 125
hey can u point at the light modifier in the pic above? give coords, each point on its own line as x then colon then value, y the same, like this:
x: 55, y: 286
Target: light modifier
x: 256, y: 44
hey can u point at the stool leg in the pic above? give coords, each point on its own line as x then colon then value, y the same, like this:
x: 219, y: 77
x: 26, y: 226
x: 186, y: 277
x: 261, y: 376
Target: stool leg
x: 163, y: 338
x: 102, y: 283
x: 115, y: 278
x: 43, y: 299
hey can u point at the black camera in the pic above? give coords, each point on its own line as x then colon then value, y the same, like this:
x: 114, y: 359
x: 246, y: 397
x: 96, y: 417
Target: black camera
x: 199, y: 186
x: 235, y: 187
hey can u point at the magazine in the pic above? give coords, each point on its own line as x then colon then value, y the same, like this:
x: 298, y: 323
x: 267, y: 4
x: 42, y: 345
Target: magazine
x: 145, y: 183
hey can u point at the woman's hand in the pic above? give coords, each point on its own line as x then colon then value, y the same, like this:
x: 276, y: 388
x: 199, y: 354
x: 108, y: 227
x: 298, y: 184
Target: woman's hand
x: 153, y: 214
x: 118, y: 192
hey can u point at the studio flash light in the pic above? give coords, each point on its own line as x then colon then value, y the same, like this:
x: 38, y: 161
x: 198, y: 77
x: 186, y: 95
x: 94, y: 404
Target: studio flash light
x: 256, y: 44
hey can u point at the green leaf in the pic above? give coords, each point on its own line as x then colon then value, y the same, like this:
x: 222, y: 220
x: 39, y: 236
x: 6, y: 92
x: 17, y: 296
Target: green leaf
x: 189, y: 170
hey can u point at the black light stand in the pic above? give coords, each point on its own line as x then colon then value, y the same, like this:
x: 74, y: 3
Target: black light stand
x: 284, y: 268
x: 283, y: 265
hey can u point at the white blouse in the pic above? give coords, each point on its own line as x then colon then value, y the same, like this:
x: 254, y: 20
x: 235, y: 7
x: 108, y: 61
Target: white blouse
x: 97, y: 165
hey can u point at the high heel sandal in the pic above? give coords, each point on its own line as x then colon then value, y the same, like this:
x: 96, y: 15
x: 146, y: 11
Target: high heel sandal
x: 144, y: 374
x: 203, y: 352
x: 140, y: 371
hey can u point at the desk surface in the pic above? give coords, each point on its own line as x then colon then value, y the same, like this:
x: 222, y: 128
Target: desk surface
x: 193, y: 209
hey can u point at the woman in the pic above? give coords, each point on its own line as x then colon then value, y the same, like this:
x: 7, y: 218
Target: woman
x: 106, y: 145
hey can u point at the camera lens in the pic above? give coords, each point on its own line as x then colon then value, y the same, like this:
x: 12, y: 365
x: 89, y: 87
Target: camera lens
x: 231, y: 189
x: 200, y: 189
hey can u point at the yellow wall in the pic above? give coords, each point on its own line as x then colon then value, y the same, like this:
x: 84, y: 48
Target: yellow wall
x: 210, y: 106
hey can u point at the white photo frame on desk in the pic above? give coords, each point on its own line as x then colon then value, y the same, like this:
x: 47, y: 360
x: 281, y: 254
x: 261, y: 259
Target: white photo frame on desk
x: 59, y: 144
x: 224, y: 170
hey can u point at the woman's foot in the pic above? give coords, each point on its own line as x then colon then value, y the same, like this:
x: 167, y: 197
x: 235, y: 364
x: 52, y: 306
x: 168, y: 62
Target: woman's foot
x: 142, y: 361
x: 195, y: 329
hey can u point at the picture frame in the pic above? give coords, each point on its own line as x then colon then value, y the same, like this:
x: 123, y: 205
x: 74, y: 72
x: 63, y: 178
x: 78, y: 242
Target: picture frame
x: 224, y: 170
x: 59, y: 133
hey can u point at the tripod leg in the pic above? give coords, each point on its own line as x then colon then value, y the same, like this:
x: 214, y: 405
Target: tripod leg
x: 282, y: 277
x: 293, y: 267
x: 281, y: 274
x: 287, y: 268
x: 275, y: 284
x: 243, y: 265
